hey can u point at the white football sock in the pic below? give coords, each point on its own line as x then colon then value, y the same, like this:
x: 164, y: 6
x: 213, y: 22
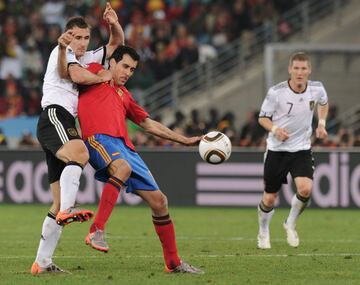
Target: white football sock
x: 297, y: 207
x: 50, y: 235
x: 264, y: 221
x: 69, y: 185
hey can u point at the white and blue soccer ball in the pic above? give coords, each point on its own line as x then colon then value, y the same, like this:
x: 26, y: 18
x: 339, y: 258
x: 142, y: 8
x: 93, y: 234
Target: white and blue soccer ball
x: 215, y: 147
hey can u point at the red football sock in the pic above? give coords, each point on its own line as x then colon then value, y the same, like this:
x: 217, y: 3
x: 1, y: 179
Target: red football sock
x: 165, y: 230
x: 107, y: 203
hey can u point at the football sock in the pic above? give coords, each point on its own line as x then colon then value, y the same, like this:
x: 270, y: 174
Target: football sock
x: 165, y: 229
x: 50, y: 235
x: 69, y: 184
x: 298, y: 205
x: 264, y: 214
x: 107, y: 203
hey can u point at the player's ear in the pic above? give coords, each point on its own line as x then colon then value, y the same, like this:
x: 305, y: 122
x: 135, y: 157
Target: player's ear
x: 112, y: 62
x: 289, y: 69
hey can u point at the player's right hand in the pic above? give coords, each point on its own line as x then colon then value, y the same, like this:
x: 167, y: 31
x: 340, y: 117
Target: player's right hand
x: 281, y: 134
x: 105, y: 75
x: 193, y: 141
x: 65, y: 39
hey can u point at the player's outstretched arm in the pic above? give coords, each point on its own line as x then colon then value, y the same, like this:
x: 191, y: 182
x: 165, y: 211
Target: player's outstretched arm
x: 117, y: 36
x: 80, y: 75
x: 160, y: 130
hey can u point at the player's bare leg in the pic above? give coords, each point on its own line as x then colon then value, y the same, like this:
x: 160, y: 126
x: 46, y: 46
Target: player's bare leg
x: 164, y: 227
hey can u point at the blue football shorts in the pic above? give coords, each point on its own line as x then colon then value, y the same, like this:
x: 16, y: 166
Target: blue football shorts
x: 104, y: 149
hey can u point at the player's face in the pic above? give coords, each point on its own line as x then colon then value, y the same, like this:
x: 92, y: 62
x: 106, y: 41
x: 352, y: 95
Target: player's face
x: 81, y: 40
x: 123, y: 70
x: 299, y: 72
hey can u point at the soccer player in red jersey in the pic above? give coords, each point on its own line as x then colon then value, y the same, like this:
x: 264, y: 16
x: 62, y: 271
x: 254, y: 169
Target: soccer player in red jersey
x: 102, y: 111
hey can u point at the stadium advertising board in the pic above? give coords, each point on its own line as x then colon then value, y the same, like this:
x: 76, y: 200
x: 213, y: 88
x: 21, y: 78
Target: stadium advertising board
x: 187, y: 180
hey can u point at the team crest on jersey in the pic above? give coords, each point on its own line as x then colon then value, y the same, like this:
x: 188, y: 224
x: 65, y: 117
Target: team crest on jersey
x: 312, y: 104
x: 120, y: 93
x: 72, y: 132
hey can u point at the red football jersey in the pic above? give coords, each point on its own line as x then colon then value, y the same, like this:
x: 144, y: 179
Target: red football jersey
x: 103, y: 109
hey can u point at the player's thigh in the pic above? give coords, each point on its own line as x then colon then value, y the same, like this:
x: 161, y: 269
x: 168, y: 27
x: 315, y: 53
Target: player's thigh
x: 276, y: 168
x: 73, y: 150
x: 302, y: 171
x: 120, y: 168
x: 55, y: 129
x: 109, y: 157
x: 302, y: 164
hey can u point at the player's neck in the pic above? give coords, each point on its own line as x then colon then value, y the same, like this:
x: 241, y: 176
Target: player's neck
x: 297, y: 88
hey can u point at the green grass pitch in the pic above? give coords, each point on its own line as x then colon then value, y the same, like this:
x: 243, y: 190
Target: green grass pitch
x: 221, y: 241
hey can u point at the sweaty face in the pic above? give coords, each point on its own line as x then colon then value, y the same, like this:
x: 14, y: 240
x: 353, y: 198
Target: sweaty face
x: 81, y: 41
x: 123, y: 70
x: 299, y: 72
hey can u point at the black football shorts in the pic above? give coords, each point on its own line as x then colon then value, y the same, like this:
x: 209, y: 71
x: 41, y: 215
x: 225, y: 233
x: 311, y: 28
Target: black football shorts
x: 279, y: 163
x: 56, y: 126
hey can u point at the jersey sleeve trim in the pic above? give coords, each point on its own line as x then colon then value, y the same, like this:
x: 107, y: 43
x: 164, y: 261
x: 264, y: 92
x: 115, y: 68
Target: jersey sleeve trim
x: 265, y: 116
x: 104, y: 56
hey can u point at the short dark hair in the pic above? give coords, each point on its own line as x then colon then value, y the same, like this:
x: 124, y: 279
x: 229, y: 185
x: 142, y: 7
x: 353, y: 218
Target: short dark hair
x: 299, y: 56
x: 119, y: 52
x: 77, y: 21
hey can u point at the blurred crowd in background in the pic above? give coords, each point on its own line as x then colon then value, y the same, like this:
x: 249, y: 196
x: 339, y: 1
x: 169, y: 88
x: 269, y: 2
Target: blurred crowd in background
x: 249, y: 134
x: 169, y: 35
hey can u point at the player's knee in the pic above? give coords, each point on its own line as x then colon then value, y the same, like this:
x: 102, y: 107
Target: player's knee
x: 83, y: 157
x: 120, y: 169
x: 80, y: 155
x: 160, y: 203
x: 74, y: 150
x: 269, y: 199
x: 304, y: 191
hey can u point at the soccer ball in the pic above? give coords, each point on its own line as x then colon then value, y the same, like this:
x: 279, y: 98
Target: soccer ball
x: 215, y: 147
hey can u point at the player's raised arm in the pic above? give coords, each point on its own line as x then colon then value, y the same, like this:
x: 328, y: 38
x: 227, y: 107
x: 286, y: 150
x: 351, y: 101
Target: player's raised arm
x: 64, y: 40
x: 117, y: 36
x: 158, y: 129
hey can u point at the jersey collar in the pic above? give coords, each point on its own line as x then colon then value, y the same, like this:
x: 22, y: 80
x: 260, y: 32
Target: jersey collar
x: 296, y: 91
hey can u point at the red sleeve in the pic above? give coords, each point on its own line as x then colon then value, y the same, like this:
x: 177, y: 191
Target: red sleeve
x: 94, y: 67
x: 135, y: 112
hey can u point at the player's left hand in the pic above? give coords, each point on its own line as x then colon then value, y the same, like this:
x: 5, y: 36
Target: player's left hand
x: 110, y: 15
x: 193, y: 141
x: 321, y: 132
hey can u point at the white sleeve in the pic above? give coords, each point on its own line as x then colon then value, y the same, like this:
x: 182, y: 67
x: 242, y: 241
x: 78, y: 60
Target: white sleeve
x: 323, y: 98
x: 268, y: 106
x: 70, y: 56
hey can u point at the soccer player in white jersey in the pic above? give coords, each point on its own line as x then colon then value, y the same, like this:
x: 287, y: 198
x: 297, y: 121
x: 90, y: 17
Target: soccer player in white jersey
x: 66, y: 153
x: 287, y: 113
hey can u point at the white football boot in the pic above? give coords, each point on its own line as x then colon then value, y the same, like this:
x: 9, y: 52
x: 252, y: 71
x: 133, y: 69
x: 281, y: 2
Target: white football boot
x: 263, y: 241
x: 292, y: 236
